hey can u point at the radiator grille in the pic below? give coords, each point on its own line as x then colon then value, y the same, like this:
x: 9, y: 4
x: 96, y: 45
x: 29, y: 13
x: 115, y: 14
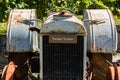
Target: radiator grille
x: 62, y: 61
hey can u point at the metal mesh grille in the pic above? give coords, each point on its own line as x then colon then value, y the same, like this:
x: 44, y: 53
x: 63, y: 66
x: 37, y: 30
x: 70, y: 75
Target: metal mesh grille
x: 62, y: 61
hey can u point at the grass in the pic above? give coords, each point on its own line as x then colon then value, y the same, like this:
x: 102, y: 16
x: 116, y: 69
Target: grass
x: 80, y: 16
x: 3, y: 28
x: 117, y: 19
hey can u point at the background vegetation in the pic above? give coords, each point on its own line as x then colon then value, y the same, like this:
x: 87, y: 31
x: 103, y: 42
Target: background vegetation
x: 46, y: 6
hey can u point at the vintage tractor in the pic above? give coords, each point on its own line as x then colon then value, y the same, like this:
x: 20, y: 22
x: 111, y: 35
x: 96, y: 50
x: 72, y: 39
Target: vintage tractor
x: 64, y: 48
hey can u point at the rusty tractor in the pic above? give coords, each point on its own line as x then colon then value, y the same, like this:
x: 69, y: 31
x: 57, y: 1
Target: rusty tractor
x: 63, y: 48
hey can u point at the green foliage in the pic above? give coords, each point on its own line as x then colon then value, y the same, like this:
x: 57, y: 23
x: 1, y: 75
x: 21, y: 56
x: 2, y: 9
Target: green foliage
x: 117, y: 19
x: 7, y: 5
x: 3, y: 28
x: 44, y: 7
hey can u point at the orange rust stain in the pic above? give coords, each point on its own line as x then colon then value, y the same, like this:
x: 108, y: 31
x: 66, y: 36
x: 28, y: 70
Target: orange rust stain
x: 92, y: 45
x: 17, y: 18
x: 63, y: 14
x: 9, y: 18
x: 14, y: 48
x: 8, y: 71
x: 97, y: 49
x: 57, y: 31
x: 8, y: 41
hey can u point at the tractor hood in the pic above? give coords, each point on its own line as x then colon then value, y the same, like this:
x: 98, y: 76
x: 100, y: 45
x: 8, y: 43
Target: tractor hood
x: 63, y: 23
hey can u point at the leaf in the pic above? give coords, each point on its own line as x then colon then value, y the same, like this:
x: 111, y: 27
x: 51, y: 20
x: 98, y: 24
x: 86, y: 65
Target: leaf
x: 7, y: 1
x: 100, y: 4
x: 0, y: 0
x: 86, y: 1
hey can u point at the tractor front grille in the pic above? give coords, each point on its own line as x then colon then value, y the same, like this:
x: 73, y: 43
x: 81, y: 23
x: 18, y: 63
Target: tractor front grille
x: 62, y: 61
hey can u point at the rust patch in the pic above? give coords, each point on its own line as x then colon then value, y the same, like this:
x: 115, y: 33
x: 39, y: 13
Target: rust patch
x: 14, y: 47
x: 99, y: 35
x: 9, y: 18
x: 92, y: 45
x: 8, y: 40
x: 80, y: 29
x: 100, y: 66
x: 57, y: 31
x: 63, y: 14
x: 17, y: 19
x: 98, y: 49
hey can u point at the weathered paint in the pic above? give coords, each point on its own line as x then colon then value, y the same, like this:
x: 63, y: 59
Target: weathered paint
x: 102, y: 35
x: 19, y: 37
x: 66, y: 23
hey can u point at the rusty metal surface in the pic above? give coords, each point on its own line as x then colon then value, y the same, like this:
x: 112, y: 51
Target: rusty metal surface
x: 66, y: 23
x: 100, y: 65
x: 19, y: 38
x: 21, y: 61
x: 62, y: 24
x: 63, y: 61
x: 102, y: 35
